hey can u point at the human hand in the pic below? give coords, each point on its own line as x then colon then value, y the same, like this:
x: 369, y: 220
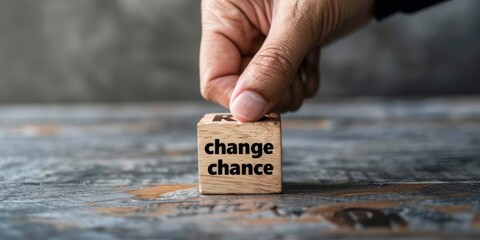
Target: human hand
x: 260, y: 56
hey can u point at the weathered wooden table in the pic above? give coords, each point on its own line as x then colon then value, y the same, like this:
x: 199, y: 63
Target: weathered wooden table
x: 369, y: 168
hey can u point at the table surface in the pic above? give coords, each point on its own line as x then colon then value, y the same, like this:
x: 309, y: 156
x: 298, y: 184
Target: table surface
x: 360, y: 167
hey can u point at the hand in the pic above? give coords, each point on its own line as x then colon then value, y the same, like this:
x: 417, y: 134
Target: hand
x: 259, y: 56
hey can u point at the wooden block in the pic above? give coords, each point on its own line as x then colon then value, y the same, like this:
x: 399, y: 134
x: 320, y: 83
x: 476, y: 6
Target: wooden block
x: 239, y: 158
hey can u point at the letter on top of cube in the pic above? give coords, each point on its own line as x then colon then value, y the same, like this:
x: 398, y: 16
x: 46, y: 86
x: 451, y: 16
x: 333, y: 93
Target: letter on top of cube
x: 239, y: 158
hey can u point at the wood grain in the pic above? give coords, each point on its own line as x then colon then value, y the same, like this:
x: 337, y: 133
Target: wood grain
x: 353, y: 168
x: 265, y: 131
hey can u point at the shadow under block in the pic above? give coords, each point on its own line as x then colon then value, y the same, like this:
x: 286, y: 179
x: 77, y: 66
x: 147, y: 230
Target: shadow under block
x: 239, y: 158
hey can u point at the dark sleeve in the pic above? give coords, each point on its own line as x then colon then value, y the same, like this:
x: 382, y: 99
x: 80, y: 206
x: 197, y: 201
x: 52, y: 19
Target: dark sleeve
x: 385, y: 8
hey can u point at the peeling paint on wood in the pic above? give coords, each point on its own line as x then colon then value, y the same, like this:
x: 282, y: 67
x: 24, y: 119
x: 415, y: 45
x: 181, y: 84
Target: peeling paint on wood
x: 352, y: 168
x: 158, y: 190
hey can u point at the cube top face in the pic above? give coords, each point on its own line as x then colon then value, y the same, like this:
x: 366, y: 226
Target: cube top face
x: 227, y: 118
x: 239, y: 158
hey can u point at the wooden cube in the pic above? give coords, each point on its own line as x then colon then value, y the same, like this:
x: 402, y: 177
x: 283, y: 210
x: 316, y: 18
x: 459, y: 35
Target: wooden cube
x: 239, y: 158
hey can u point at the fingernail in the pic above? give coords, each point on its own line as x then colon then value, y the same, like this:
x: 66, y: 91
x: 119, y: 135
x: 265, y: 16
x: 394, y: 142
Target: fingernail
x: 248, y: 106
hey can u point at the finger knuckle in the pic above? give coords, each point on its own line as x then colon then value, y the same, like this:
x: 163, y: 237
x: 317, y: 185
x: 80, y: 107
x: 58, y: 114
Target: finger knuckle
x: 310, y: 92
x: 274, y: 60
x: 311, y: 88
x: 206, y: 91
x: 297, y: 103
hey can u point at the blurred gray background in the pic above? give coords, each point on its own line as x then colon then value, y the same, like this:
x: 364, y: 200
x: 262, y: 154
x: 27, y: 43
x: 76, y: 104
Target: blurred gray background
x: 147, y: 50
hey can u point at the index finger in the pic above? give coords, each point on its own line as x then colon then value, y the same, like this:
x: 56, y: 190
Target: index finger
x: 220, y: 63
x: 220, y: 59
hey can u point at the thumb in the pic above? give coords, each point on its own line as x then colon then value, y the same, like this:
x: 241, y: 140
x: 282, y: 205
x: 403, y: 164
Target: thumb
x: 268, y: 75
